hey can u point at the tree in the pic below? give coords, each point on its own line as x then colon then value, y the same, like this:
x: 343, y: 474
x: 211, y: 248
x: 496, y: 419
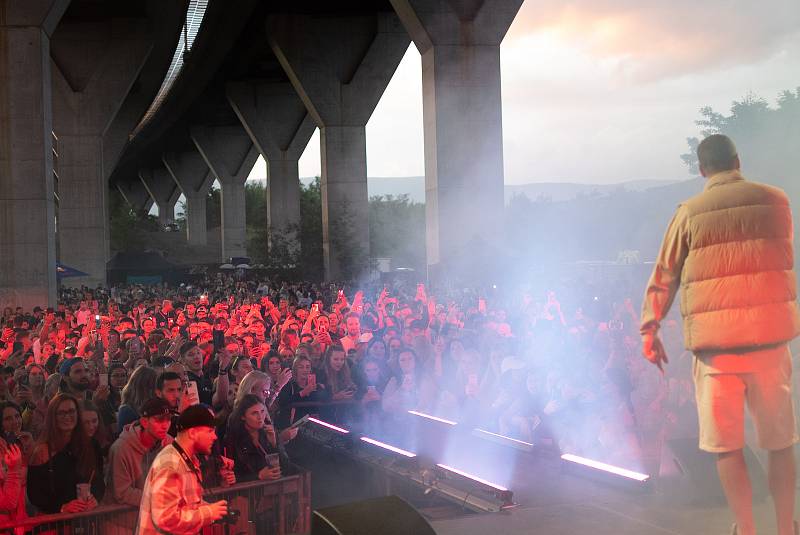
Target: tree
x: 397, y: 230
x: 311, y: 230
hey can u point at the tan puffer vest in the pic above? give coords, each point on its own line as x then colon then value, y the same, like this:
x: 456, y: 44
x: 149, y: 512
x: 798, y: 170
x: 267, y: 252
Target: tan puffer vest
x: 738, y: 288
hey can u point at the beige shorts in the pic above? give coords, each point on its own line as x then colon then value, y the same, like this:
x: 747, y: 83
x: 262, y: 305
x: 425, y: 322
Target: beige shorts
x: 767, y: 390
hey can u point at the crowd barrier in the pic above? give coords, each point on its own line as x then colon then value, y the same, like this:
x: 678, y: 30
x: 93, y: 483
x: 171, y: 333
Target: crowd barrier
x: 280, y: 507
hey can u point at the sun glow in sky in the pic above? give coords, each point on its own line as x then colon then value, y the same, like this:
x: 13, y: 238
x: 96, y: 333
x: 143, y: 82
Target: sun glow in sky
x: 602, y: 91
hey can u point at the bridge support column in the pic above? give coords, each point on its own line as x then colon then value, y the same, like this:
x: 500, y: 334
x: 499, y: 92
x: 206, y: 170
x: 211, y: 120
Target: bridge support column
x: 94, y: 66
x: 459, y: 42
x: 27, y: 209
x: 137, y: 197
x: 164, y: 190
x: 278, y: 124
x: 230, y: 155
x: 340, y: 66
x: 191, y: 173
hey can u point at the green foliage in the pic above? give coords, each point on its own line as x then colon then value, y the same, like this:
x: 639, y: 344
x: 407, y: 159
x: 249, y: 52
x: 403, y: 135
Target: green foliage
x: 128, y: 229
x: 766, y: 137
x: 310, y: 260
x: 397, y: 230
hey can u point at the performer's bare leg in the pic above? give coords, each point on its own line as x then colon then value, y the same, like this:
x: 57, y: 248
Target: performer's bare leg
x: 736, y: 484
x: 781, y: 486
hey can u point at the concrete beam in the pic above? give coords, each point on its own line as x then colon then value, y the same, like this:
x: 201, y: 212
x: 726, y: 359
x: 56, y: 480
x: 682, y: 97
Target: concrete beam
x: 192, y: 175
x: 136, y: 196
x: 340, y: 67
x: 165, y: 192
x: 230, y: 154
x: 280, y: 126
x: 94, y: 66
x: 459, y: 41
x: 27, y: 205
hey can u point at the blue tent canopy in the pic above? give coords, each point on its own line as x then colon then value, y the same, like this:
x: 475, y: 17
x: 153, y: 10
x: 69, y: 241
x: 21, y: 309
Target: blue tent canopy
x: 63, y: 272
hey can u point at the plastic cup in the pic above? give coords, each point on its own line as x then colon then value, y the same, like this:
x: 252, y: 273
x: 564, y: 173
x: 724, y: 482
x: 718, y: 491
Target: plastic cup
x: 84, y: 491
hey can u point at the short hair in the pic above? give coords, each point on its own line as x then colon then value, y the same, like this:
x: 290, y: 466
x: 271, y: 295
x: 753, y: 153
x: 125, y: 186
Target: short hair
x: 166, y: 376
x: 717, y: 153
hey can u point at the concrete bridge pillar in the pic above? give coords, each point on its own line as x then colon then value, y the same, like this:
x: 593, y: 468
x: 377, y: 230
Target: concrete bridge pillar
x: 27, y: 209
x: 136, y: 196
x: 459, y: 42
x: 278, y: 124
x: 340, y: 66
x: 191, y: 173
x: 165, y: 192
x: 94, y: 66
x: 229, y: 153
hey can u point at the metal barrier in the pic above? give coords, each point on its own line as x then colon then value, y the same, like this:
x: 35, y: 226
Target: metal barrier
x: 280, y: 507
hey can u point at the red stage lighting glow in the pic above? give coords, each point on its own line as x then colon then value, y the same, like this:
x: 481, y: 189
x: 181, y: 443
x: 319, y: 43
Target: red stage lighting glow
x: 435, y: 418
x: 329, y: 426
x: 472, y: 477
x: 388, y: 447
x: 624, y: 472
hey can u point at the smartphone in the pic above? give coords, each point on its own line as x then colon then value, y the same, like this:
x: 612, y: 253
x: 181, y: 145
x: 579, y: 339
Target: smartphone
x: 97, y: 321
x: 299, y: 422
x: 192, y: 393
x: 341, y: 295
x: 312, y: 379
x: 219, y: 339
x: 315, y: 307
x: 103, y: 377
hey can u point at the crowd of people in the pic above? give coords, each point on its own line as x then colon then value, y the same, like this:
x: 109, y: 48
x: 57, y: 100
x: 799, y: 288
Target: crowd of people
x: 93, y: 390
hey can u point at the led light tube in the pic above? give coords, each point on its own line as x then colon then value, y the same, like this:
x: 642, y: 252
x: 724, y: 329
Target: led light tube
x: 470, y: 476
x: 329, y: 426
x: 517, y: 441
x: 435, y: 418
x: 624, y: 472
x: 388, y: 447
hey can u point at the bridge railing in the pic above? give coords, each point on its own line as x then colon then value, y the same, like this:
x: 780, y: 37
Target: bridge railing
x: 281, y: 507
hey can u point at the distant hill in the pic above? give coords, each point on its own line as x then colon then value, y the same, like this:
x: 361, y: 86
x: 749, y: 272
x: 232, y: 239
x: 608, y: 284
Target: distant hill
x: 414, y: 187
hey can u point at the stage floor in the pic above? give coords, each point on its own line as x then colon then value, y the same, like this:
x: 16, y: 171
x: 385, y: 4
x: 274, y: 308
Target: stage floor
x: 552, y: 502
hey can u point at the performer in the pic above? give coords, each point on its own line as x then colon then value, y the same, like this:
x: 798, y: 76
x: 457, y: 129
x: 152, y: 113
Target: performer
x: 172, y: 499
x: 728, y: 250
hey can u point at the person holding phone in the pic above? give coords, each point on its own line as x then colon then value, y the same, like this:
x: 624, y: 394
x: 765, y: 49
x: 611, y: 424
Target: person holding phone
x: 304, y: 387
x: 253, y: 443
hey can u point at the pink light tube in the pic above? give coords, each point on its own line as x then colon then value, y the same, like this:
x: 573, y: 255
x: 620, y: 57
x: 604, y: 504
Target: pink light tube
x: 388, y: 447
x: 435, y: 418
x: 630, y: 474
x: 329, y: 426
x: 470, y: 476
x: 517, y: 441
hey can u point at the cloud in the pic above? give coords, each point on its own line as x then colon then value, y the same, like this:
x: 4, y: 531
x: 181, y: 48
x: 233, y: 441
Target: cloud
x: 648, y: 40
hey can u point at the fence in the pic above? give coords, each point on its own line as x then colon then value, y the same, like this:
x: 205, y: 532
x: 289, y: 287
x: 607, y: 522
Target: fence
x: 280, y: 507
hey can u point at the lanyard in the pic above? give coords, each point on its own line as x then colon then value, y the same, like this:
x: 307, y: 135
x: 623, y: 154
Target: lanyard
x: 192, y: 466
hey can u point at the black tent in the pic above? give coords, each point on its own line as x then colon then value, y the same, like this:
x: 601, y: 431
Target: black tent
x: 143, y: 268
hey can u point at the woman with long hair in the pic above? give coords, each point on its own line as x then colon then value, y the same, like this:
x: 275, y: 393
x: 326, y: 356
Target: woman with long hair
x: 252, y: 441
x: 304, y: 387
x: 64, y: 457
x: 410, y: 388
x: 141, y: 387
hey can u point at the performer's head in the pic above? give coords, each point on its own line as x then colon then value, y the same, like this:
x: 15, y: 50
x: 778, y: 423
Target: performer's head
x: 715, y: 154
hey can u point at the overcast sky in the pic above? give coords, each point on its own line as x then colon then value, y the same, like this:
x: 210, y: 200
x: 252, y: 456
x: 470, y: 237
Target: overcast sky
x: 603, y: 91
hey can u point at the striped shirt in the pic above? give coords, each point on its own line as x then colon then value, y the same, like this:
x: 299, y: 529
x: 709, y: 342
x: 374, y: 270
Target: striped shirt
x: 172, y: 499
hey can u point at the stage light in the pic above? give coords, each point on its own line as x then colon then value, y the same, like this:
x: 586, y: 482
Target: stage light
x: 502, y: 439
x: 389, y: 447
x: 472, y: 477
x: 607, y: 468
x: 434, y: 418
x: 329, y: 426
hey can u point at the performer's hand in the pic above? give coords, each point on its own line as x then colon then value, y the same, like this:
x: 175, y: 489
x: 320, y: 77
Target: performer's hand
x: 653, y: 350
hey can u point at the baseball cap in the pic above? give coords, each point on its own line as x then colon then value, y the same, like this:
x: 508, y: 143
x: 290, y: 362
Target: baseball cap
x: 195, y: 416
x: 155, y: 407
